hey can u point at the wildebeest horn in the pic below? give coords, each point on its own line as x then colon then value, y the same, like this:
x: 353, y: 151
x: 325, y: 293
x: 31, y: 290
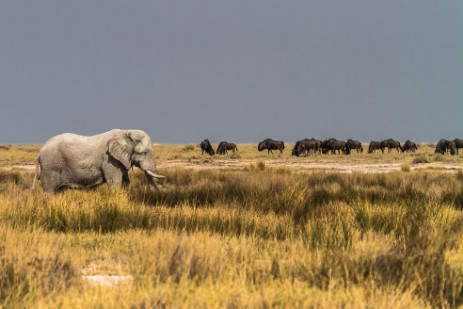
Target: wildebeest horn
x: 153, y: 174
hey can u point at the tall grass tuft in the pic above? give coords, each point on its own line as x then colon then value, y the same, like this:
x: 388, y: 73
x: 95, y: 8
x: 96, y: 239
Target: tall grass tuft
x: 243, y: 237
x: 29, y: 271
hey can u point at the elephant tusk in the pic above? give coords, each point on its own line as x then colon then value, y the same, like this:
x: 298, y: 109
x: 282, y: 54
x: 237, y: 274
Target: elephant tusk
x: 153, y: 174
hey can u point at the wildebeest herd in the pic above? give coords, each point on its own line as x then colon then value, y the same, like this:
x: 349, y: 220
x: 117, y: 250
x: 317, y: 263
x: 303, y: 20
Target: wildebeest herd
x: 334, y: 146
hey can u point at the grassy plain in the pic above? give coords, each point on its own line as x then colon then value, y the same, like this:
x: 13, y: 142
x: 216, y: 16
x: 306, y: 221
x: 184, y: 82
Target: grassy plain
x: 250, y: 235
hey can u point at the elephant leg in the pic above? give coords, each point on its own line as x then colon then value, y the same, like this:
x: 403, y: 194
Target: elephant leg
x: 115, y: 174
x: 116, y: 178
x: 50, y: 181
x: 125, y: 179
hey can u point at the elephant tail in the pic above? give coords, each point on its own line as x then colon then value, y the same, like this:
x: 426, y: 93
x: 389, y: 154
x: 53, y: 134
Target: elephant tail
x: 37, y: 173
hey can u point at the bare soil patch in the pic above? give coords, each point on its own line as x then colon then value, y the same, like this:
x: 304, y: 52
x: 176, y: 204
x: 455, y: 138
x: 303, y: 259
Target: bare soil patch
x: 327, y: 165
x: 19, y: 167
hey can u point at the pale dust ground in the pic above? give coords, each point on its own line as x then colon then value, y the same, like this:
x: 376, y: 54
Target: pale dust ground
x: 326, y: 165
x: 306, y: 166
x: 107, y: 280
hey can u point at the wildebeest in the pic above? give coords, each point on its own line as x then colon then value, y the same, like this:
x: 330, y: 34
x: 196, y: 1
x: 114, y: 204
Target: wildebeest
x: 334, y: 145
x: 458, y: 143
x: 374, y: 145
x: 206, y: 147
x: 297, y: 149
x: 305, y: 146
x: 444, y: 146
x: 409, y: 146
x: 352, y: 144
x: 225, y: 146
x: 270, y: 145
x: 390, y: 144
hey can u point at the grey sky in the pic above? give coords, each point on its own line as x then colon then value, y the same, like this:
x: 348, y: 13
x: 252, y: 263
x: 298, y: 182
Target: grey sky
x: 232, y: 70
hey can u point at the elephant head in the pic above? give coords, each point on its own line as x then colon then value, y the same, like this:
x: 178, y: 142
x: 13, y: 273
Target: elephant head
x: 135, y: 148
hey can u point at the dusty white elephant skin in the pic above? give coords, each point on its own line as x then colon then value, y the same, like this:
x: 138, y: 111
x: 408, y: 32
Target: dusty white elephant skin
x: 81, y: 162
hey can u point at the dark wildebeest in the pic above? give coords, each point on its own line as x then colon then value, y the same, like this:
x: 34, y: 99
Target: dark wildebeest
x: 311, y: 145
x: 389, y: 144
x: 444, y: 146
x: 326, y: 146
x: 458, y: 143
x: 225, y: 146
x: 352, y: 144
x: 374, y: 145
x: 297, y: 149
x: 206, y: 147
x: 334, y: 145
x: 409, y: 146
x: 270, y: 145
x: 305, y: 146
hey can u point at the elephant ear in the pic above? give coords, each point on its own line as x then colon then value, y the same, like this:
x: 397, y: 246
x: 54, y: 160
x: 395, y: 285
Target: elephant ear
x: 120, y: 148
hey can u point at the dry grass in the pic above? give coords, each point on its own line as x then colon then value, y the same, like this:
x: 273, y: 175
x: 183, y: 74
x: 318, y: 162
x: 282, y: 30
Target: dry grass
x: 254, y: 236
x: 17, y: 155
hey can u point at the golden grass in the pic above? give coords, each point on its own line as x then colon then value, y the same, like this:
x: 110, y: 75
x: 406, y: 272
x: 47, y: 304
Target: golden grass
x: 17, y: 155
x: 254, y: 236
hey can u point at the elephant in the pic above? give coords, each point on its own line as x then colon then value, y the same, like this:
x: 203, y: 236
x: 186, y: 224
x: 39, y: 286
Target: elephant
x: 225, y: 146
x: 270, y: 145
x: 353, y: 144
x: 409, y: 146
x: 206, y: 147
x: 82, y: 162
